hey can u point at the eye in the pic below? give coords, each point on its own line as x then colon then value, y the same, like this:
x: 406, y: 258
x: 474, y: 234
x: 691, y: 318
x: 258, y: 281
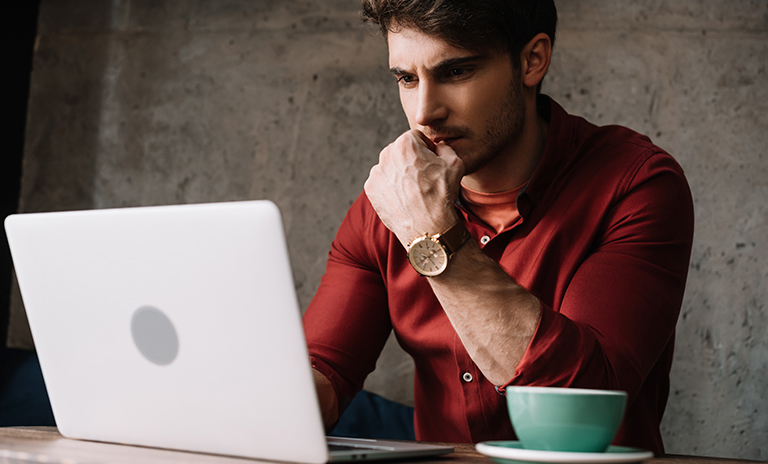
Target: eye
x: 460, y: 73
x: 406, y: 80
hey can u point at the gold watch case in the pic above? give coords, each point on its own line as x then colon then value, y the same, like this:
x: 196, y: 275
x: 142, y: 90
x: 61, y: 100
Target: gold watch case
x: 429, y: 255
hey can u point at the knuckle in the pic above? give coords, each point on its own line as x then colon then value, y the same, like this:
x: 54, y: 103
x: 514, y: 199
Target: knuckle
x: 372, y: 173
x: 387, y: 152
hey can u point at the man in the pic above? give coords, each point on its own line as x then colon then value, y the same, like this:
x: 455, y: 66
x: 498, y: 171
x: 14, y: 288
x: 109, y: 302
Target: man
x: 505, y: 241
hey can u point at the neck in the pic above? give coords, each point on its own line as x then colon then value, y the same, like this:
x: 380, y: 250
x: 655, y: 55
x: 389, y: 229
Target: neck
x: 515, y: 165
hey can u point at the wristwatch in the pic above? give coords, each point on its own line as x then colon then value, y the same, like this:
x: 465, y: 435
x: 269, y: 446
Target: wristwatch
x: 429, y: 254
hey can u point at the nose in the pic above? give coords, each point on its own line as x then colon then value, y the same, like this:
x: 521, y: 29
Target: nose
x: 431, y: 105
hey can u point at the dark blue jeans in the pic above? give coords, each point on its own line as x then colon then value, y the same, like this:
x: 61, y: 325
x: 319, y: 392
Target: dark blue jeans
x: 23, y: 397
x: 24, y: 401
x: 371, y: 416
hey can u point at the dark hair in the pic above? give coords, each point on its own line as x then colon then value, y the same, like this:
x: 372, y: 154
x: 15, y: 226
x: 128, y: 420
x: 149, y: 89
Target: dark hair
x: 469, y: 24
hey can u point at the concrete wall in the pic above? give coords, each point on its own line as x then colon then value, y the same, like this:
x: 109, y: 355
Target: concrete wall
x: 154, y: 102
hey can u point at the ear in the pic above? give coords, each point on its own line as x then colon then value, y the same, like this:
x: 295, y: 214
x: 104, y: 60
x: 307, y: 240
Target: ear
x: 534, y: 59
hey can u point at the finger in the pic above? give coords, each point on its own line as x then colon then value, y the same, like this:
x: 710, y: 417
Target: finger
x: 430, y: 144
x: 448, y: 154
x: 444, y: 150
x: 452, y: 161
x: 370, y: 181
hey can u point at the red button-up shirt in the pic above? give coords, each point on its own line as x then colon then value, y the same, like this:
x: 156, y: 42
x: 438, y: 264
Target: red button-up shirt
x: 603, y: 240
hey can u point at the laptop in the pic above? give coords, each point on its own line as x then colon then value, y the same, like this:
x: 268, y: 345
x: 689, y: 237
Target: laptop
x: 177, y: 327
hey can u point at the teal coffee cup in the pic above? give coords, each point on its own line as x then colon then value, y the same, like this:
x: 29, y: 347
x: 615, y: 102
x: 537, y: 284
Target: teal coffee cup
x: 565, y: 419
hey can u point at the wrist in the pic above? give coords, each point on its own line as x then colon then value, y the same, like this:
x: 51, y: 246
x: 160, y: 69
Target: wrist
x: 429, y: 255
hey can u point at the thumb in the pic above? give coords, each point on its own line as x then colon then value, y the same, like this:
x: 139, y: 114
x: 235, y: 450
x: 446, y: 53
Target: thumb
x: 450, y: 158
x: 429, y: 143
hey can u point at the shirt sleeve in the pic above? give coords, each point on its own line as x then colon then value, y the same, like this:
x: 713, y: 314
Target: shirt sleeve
x: 347, y: 323
x: 619, y: 312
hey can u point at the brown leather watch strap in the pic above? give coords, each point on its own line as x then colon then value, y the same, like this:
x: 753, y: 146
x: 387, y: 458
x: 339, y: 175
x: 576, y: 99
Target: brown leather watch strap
x: 454, y: 238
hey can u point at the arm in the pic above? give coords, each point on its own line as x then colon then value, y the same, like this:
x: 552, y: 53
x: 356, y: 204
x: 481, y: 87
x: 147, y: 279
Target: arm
x: 611, y: 316
x: 347, y: 323
x: 618, y: 305
x: 504, y: 316
x: 613, y: 325
x: 413, y: 191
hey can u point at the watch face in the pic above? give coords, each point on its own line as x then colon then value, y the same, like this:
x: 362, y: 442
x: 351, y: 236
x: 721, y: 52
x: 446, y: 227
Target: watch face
x: 428, y: 257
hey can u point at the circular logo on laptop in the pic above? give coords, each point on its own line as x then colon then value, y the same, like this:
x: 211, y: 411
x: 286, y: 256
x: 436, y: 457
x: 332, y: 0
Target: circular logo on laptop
x: 154, y: 335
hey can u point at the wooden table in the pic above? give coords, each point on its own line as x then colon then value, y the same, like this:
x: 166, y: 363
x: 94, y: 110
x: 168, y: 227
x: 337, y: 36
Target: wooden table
x: 46, y: 445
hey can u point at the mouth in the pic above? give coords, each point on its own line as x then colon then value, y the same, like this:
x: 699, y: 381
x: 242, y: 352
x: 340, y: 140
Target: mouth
x: 447, y: 140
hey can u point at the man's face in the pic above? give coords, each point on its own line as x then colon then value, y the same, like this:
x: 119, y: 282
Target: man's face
x: 470, y: 100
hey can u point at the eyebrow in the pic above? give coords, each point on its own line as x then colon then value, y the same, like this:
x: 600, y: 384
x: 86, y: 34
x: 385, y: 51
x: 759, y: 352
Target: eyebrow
x: 443, y: 66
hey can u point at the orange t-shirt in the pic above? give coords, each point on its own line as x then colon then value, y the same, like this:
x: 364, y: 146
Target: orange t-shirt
x: 498, y: 210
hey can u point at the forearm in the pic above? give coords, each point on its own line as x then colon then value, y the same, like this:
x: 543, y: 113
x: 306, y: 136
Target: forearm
x: 494, y: 316
x: 413, y: 190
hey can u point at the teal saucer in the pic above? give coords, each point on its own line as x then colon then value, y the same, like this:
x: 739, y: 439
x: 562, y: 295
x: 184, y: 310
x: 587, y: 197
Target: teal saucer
x: 512, y: 452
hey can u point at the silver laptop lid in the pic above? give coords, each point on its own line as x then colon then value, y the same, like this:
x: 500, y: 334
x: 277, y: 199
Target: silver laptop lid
x: 171, y: 326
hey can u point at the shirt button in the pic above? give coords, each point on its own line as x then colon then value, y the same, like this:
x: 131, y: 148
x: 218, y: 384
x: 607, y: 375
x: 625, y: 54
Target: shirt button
x: 467, y: 377
x: 485, y: 239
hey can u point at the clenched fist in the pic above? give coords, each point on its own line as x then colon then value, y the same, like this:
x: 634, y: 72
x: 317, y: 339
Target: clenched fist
x: 415, y: 185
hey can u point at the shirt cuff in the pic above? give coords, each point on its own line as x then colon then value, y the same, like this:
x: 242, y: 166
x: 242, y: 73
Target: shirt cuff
x: 322, y: 367
x: 535, y: 349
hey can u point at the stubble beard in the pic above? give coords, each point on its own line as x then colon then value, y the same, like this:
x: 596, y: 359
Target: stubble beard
x: 504, y: 127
